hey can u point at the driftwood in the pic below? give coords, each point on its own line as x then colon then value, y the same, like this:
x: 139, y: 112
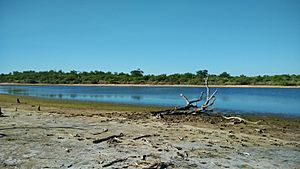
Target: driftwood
x: 239, y: 120
x: 191, y: 107
x: 144, y: 136
x: 18, y: 100
x: 108, y: 138
x: 1, y: 114
x: 113, y: 162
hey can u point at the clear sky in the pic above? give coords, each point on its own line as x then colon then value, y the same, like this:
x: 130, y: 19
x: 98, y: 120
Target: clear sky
x: 159, y: 36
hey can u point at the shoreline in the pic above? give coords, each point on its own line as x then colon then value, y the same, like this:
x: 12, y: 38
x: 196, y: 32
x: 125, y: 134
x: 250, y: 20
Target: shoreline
x: 149, y: 85
x: 120, y: 107
x: 85, y: 136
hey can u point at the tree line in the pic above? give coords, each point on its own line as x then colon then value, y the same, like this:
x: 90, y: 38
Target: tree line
x: 137, y: 77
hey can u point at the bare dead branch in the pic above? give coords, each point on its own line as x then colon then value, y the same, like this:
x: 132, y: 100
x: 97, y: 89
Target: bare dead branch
x: 185, y: 98
x: 144, y: 136
x: 191, y: 106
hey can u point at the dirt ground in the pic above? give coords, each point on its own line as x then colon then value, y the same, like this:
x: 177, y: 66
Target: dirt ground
x: 70, y: 138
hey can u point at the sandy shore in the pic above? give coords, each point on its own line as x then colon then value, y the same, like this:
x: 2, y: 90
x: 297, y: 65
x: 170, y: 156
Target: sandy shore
x: 149, y: 85
x: 57, y: 137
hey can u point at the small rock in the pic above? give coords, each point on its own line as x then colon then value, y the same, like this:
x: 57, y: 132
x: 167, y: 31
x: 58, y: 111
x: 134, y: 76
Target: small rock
x: 260, y: 130
x: 76, y: 135
x: 232, y: 136
x: 178, y: 148
x: 180, y: 154
x: 143, y: 157
x: 244, y: 145
x: 2, y: 135
x: 193, y: 165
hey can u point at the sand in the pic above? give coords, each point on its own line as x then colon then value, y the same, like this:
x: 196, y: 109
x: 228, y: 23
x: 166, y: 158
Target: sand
x: 65, y: 138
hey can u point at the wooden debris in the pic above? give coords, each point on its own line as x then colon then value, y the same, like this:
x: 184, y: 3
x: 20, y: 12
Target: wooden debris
x: 39, y: 108
x: 113, y: 162
x: 18, y: 100
x: 239, y: 120
x: 107, y: 138
x: 144, y: 136
x: 191, y: 106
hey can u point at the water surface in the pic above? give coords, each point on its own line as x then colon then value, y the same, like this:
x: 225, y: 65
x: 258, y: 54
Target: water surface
x: 279, y: 101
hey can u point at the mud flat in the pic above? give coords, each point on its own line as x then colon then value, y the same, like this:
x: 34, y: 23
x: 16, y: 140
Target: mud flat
x: 56, y: 137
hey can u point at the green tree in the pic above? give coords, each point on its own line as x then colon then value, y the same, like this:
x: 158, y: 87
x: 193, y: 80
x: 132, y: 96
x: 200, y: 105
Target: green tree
x: 137, y: 73
x: 202, y: 73
x: 225, y: 74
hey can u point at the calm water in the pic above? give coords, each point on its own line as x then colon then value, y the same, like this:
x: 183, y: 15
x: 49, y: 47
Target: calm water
x: 239, y: 100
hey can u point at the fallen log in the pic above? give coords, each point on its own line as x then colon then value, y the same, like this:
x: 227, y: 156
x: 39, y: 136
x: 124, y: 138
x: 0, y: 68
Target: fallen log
x: 191, y: 106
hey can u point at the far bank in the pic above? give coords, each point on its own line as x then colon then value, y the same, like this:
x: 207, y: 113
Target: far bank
x: 149, y: 85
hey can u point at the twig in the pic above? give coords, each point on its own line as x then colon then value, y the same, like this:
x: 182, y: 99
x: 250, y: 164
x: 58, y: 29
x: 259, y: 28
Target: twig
x: 113, y: 162
x: 144, y: 136
x: 185, y: 98
x: 107, y: 138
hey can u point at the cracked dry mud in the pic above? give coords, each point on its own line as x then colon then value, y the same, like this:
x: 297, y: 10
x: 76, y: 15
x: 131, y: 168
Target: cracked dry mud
x: 31, y: 139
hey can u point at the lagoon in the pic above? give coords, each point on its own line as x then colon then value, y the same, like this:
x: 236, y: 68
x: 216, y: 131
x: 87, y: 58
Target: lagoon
x: 277, y: 101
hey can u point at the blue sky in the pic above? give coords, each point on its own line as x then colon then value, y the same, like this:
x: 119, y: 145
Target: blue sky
x: 159, y: 36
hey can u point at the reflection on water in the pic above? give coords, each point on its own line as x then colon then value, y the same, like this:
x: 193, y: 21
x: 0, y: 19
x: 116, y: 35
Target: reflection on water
x: 257, y: 100
x: 136, y: 97
x: 15, y: 91
x: 224, y: 98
